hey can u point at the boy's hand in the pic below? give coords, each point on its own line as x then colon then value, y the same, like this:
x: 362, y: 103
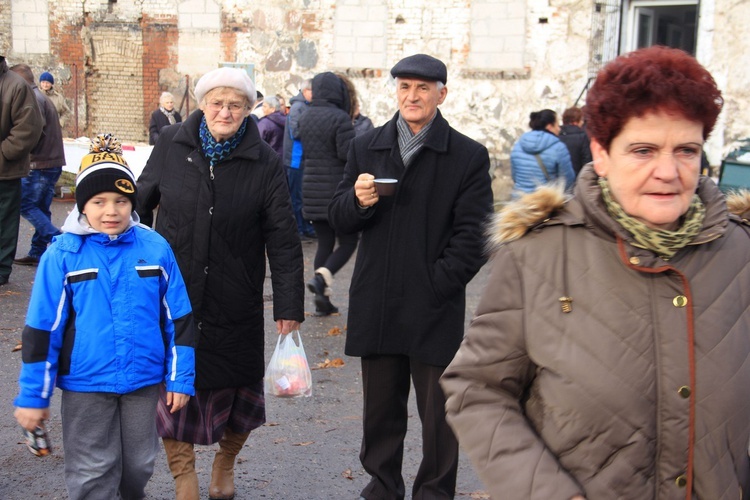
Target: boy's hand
x: 177, y: 401
x: 31, y: 418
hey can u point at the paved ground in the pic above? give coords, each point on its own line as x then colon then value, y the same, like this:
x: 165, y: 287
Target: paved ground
x: 307, y: 450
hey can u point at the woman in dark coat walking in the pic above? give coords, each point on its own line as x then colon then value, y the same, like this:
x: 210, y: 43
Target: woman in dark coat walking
x: 326, y: 131
x: 223, y: 206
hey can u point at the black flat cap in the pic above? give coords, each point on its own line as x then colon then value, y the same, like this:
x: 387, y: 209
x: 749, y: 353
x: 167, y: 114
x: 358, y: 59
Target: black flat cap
x: 421, y: 66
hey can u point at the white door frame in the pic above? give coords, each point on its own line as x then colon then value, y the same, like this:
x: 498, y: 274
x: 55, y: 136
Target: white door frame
x: 630, y: 10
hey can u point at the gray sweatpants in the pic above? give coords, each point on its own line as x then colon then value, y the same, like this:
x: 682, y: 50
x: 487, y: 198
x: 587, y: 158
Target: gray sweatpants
x: 110, y: 443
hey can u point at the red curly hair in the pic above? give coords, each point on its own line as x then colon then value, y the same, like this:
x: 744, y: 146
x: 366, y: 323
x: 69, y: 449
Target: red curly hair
x: 649, y: 80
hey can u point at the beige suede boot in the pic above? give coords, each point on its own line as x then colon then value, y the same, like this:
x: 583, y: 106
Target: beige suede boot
x: 181, y: 460
x: 222, y: 473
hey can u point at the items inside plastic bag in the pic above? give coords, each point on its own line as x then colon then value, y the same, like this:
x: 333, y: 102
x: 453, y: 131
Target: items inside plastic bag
x: 288, y: 373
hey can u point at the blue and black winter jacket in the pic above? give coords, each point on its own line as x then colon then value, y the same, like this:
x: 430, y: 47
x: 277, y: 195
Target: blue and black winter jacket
x: 107, y: 314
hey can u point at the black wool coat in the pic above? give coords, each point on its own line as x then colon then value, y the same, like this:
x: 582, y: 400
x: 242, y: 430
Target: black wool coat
x: 221, y: 230
x: 420, y: 247
x: 325, y: 130
x: 158, y: 121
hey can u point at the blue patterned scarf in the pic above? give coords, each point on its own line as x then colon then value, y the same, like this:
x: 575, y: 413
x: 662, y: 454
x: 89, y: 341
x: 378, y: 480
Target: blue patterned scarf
x: 219, y: 151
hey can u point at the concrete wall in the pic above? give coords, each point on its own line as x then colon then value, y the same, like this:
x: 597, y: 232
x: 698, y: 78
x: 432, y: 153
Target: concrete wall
x: 505, y: 58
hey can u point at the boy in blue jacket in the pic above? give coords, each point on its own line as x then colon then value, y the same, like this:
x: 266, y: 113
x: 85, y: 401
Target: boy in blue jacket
x: 109, y: 321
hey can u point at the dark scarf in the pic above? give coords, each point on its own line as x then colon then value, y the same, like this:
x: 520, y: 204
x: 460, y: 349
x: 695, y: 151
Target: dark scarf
x: 410, y: 143
x: 216, y: 152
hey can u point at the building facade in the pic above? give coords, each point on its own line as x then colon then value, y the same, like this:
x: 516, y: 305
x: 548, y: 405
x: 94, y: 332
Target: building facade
x: 505, y: 58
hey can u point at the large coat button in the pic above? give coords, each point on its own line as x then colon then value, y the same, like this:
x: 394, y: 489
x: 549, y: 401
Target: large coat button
x: 681, y: 481
x: 684, y: 391
x: 680, y: 301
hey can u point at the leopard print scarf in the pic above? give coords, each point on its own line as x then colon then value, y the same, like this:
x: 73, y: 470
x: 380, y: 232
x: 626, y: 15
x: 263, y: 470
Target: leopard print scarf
x: 663, y: 243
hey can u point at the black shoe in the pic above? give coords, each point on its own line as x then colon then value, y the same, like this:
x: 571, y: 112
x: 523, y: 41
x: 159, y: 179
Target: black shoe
x: 323, y: 306
x: 27, y: 261
x: 317, y: 285
x: 3, y: 280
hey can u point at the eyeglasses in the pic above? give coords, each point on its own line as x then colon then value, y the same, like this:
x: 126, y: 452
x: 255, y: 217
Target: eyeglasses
x: 233, y: 107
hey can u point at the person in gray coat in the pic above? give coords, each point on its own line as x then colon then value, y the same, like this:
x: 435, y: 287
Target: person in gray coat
x: 419, y: 248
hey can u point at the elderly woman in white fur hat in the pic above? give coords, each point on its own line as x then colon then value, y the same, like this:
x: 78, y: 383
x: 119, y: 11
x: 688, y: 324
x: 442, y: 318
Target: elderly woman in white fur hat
x: 223, y: 206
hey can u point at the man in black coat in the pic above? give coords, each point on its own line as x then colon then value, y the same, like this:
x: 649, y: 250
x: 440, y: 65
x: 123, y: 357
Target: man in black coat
x: 419, y: 248
x: 575, y: 138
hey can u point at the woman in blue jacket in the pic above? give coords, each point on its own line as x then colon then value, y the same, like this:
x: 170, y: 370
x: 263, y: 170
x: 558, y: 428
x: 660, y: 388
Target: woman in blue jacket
x: 539, y: 157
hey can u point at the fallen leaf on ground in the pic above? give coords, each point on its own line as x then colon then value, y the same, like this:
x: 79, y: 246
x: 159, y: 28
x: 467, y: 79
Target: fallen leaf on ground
x: 347, y: 474
x: 17, y: 348
x: 479, y: 494
x: 334, y: 331
x: 331, y: 363
x: 305, y: 443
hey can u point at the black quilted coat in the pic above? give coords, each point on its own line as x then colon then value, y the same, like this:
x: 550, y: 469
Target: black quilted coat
x: 326, y: 131
x: 221, y: 230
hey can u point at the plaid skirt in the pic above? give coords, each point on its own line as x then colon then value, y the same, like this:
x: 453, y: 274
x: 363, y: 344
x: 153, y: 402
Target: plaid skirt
x: 207, y: 413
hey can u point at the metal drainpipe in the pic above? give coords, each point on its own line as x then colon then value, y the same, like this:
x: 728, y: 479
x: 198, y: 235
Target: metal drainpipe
x: 75, y: 99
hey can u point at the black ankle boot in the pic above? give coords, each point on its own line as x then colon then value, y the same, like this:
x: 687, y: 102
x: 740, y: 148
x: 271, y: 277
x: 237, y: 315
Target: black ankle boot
x: 317, y: 285
x: 324, y: 307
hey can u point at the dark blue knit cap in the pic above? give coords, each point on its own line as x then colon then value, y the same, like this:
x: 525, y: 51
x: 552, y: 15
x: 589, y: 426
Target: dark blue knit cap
x: 47, y: 77
x: 421, y: 66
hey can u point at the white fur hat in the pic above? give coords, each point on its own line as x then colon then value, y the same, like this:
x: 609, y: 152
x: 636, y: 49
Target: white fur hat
x: 226, y: 77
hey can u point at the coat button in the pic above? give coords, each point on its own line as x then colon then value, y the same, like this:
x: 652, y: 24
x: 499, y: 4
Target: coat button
x: 681, y: 481
x: 680, y: 301
x: 211, y: 211
x: 635, y: 261
x: 205, y: 270
x: 200, y: 325
x: 684, y: 391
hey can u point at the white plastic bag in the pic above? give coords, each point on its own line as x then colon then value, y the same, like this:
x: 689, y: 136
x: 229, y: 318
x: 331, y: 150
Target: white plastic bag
x: 288, y: 373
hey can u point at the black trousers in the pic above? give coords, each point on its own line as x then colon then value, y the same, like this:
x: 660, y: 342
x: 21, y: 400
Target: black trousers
x: 386, y: 382
x: 10, y: 220
x: 326, y: 256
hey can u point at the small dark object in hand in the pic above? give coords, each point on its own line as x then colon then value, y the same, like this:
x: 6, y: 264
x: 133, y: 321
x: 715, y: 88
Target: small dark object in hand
x: 38, y: 442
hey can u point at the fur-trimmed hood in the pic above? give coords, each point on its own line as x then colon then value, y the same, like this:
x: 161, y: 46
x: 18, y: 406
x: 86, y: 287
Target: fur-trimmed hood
x: 536, y: 208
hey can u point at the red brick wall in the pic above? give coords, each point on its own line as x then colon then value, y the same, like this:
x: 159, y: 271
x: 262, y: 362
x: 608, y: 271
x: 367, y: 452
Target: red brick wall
x: 160, y: 38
